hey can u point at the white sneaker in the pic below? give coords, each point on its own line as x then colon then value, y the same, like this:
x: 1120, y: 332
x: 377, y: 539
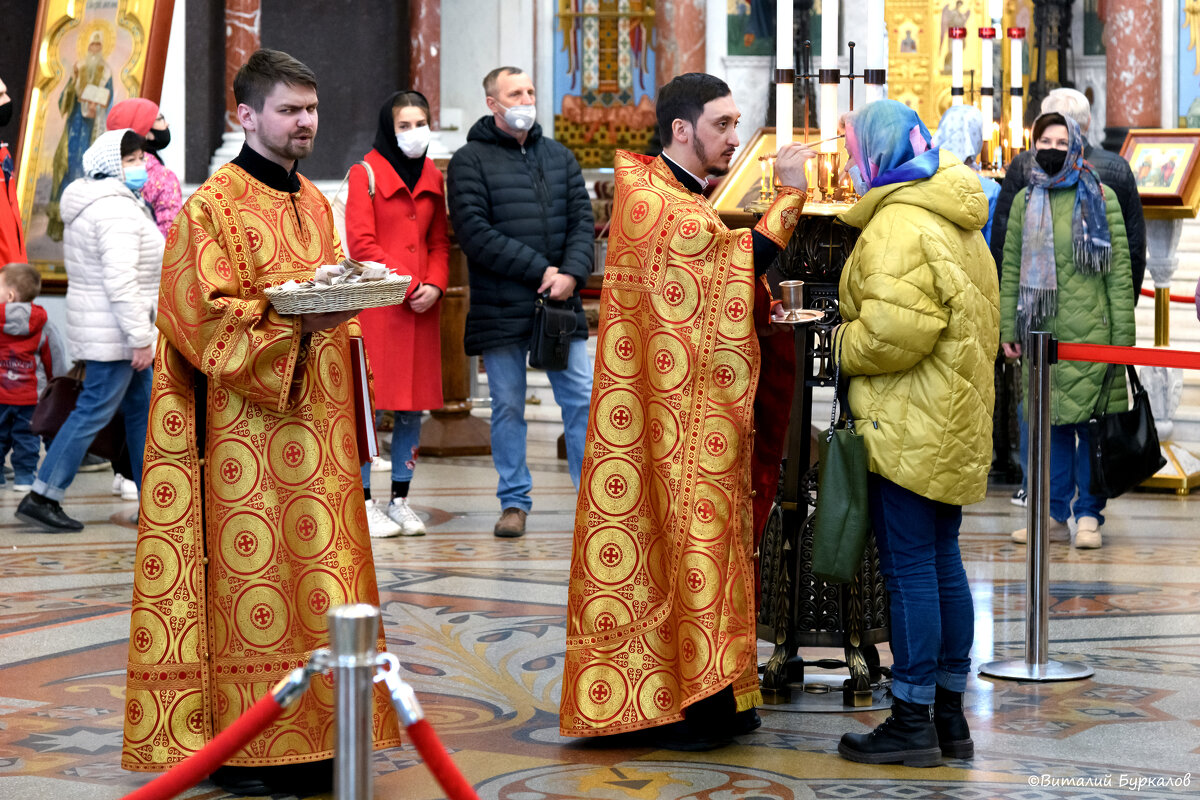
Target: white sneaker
x: 124, y: 488
x: 378, y: 524
x: 381, y: 464
x: 400, y: 512
x: 22, y: 487
x: 1056, y: 529
x: 1087, y: 534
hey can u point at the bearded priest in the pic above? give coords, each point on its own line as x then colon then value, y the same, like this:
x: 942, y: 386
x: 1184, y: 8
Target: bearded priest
x: 661, y: 618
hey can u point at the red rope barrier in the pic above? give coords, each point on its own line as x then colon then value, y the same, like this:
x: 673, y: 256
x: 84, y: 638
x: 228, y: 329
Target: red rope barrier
x: 200, y: 765
x: 434, y: 754
x: 1137, y: 356
x: 1175, y: 298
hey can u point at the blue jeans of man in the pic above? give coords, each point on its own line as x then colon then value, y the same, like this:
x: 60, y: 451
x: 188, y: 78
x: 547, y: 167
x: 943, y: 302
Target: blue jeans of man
x: 406, y: 435
x: 932, y: 618
x: 24, y: 443
x: 108, y: 387
x: 1071, y: 474
x: 506, y: 382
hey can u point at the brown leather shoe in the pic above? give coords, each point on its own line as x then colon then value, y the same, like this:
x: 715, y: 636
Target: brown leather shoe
x: 511, y: 524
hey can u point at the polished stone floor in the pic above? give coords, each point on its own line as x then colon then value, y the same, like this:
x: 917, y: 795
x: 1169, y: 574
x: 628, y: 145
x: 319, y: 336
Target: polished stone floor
x: 478, y: 626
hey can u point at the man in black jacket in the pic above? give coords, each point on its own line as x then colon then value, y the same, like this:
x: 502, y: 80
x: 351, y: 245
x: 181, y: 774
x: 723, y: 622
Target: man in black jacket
x: 522, y: 215
x: 1114, y: 173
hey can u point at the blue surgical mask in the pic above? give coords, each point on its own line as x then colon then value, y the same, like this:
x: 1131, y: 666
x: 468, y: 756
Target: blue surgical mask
x: 860, y: 183
x: 135, y: 178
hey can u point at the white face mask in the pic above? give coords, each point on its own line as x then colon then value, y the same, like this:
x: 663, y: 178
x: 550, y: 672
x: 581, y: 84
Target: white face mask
x: 414, y: 141
x: 520, y: 118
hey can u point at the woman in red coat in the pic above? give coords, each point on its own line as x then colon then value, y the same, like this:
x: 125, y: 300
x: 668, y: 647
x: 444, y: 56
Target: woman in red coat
x: 402, y: 224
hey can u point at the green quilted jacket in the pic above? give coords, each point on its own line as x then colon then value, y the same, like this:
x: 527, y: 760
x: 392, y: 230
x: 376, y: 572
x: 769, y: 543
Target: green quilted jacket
x: 1095, y: 309
x: 920, y: 299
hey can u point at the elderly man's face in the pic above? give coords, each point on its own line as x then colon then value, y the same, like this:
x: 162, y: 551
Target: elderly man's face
x: 94, y: 48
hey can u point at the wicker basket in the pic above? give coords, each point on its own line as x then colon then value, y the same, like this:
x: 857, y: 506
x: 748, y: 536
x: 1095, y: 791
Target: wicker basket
x: 340, y: 297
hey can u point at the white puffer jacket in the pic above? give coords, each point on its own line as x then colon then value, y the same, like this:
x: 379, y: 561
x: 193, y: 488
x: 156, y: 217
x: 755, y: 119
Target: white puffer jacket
x: 113, y: 253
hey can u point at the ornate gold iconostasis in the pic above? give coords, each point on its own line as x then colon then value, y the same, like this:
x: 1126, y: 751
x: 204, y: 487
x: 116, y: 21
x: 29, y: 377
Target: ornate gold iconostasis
x: 919, y: 52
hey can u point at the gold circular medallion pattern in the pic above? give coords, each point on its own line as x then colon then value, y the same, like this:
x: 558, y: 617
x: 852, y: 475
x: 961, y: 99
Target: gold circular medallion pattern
x: 604, y: 692
x: 618, y: 418
x: 247, y: 544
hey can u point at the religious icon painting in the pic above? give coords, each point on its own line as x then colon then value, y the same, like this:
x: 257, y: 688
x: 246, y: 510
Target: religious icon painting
x: 1164, y: 167
x: 96, y: 53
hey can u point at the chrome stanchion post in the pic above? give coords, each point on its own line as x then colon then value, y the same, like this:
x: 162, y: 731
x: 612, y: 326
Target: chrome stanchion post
x: 1041, y: 355
x: 353, y: 631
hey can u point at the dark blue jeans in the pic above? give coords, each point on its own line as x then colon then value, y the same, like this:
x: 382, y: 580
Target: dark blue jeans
x: 1071, y: 474
x: 932, y: 618
x: 109, y: 387
x: 24, y: 443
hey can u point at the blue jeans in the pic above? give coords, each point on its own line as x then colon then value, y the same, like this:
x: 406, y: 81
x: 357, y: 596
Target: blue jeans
x: 24, y: 443
x: 108, y: 387
x: 506, y: 381
x: 406, y: 435
x: 933, y: 621
x: 1071, y: 470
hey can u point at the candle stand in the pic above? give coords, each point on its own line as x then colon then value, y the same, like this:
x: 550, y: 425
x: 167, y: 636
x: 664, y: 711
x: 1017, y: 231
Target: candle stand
x: 796, y: 608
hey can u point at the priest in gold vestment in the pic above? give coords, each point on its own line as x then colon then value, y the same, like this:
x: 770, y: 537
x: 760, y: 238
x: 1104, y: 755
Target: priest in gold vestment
x: 661, y: 608
x: 252, y: 523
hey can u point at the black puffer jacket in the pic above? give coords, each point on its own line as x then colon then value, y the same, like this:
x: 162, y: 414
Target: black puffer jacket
x: 1114, y: 172
x: 517, y: 210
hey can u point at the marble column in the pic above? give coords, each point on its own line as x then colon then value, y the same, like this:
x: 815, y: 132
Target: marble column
x: 243, y: 27
x: 425, y: 64
x: 679, y: 29
x: 1132, y: 39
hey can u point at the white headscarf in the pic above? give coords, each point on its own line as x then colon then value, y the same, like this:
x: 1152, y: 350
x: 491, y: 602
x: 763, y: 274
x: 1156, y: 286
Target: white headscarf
x: 961, y: 133
x: 103, y: 158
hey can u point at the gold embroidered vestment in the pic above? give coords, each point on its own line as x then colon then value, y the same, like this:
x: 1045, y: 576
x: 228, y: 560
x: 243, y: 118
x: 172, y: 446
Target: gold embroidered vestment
x: 660, y: 605
x: 239, y: 557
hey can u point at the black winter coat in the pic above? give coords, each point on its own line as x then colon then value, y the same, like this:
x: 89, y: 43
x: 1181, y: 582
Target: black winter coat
x: 517, y: 210
x: 1114, y: 172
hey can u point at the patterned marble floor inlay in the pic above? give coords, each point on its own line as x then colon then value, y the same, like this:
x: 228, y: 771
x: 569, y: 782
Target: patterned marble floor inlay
x: 477, y: 625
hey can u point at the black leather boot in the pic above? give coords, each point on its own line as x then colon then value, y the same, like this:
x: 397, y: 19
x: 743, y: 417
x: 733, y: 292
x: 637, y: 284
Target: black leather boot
x: 906, y: 736
x: 953, y: 735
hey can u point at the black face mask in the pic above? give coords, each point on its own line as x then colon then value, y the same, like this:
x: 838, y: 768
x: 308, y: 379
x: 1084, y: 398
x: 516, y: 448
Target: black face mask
x: 6, y: 112
x: 161, y: 139
x: 1051, y: 160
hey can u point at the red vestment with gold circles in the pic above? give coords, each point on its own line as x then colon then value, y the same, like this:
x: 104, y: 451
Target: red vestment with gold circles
x: 244, y: 546
x: 661, y: 598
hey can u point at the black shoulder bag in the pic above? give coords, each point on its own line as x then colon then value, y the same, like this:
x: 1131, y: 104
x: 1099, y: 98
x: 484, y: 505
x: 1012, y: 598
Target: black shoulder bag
x: 1124, y: 445
x: 554, y: 325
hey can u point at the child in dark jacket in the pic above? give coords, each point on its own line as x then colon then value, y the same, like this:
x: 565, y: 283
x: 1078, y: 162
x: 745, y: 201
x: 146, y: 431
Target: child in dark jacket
x: 26, y: 364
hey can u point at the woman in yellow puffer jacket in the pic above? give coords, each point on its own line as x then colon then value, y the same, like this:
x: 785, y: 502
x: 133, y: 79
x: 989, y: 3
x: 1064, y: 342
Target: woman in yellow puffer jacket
x: 919, y: 297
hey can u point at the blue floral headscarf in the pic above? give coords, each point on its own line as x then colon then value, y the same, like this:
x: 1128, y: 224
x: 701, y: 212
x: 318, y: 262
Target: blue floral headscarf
x: 889, y: 144
x: 1038, y: 289
x: 961, y: 132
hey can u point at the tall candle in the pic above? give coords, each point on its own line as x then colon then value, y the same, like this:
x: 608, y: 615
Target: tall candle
x: 829, y: 117
x: 957, y: 37
x: 785, y: 61
x: 987, y: 85
x: 877, y: 56
x: 784, y: 36
x: 829, y: 33
x: 1016, y: 86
